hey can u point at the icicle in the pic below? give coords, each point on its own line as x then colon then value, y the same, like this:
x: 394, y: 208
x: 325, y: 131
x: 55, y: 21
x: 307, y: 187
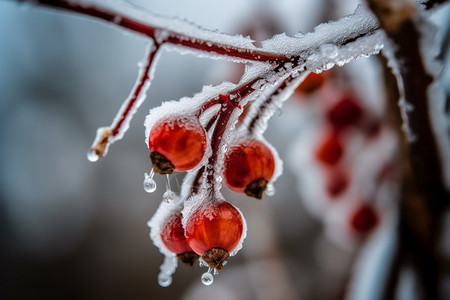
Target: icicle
x: 270, y: 190
x: 149, y: 182
x: 167, y: 269
x: 207, y: 277
x: 169, y: 195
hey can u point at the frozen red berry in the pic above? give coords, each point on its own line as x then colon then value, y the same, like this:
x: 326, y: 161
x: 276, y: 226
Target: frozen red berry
x: 249, y: 166
x: 214, y: 230
x: 176, y: 144
x: 172, y: 236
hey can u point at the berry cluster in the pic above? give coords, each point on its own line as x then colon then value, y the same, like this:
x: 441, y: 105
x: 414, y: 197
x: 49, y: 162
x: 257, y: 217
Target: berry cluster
x: 345, y: 161
x: 199, y: 223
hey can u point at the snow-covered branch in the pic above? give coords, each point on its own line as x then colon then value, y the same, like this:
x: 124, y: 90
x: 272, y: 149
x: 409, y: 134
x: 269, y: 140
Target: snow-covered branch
x: 336, y: 42
x: 236, y: 47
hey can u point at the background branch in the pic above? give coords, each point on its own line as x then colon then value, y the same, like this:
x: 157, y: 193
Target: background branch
x: 425, y: 197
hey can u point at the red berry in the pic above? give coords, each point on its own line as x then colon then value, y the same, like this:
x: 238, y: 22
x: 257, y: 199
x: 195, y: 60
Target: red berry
x: 172, y: 235
x: 344, y: 113
x: 249, y: 166
x: 311, y: 83
x: 176, y: 144
x: 214, y: 230
x: 364, y: 219
x: 337, y: 183
x: 329, y: 151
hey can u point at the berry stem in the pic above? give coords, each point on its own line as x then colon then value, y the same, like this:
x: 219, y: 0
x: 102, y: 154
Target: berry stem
x: 266, y: 109
x: 197, y: 181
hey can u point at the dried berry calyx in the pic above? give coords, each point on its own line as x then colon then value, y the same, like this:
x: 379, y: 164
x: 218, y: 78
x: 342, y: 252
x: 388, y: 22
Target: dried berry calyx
x: 188, y: 258
x: 249, y: 166
x: 214, y: 230
x: 215, y: 257
x: 176, y: 144
x: 256, y: 188
x: 161, y: 164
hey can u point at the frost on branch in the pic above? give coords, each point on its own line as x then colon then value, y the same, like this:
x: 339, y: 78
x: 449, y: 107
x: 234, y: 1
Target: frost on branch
x: 333, y: 43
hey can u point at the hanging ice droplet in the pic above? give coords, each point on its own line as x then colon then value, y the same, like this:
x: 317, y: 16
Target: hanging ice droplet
x: 270, y: 190
x: 169, y: 195
x: 207, y: 278
x: 164, y: 280
x: 149, y: 182
x: 92, y: 156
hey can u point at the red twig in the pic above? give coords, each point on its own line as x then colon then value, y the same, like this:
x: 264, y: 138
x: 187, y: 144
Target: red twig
x: 105, y: 136
x: 169, y: 37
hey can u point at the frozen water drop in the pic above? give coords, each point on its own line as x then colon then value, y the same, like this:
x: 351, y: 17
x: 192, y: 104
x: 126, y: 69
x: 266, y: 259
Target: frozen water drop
x: 149, y: 185
x: 168, y: 196
x: 270, y: 190
x: 164, y: 280
x: 149, y: 182
x: 92, y: 155
x: 207, y: 278
x: 329, y: 50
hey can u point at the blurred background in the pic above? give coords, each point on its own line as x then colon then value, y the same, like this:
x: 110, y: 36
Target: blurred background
x: 72, y: 229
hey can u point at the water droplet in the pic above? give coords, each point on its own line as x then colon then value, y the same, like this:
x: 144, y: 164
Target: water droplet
x: 207, y: 278
x: 168, y: 196
x: 92, y: 156
x: 149, y: 182
x: 164, y: 280
x: 270, y: 190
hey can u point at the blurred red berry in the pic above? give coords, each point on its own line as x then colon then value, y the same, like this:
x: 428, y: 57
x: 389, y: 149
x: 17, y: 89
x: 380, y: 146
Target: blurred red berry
x: 364, y: 219
x: 337, y: 183
x: 176, y: 144
x: 249, y: 166
x: 344, y: 113
x: 329, y: 150
x: 311, y: 83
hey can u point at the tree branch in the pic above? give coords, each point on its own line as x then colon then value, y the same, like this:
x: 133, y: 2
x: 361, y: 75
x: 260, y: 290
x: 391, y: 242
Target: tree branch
x: 426, y: 197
